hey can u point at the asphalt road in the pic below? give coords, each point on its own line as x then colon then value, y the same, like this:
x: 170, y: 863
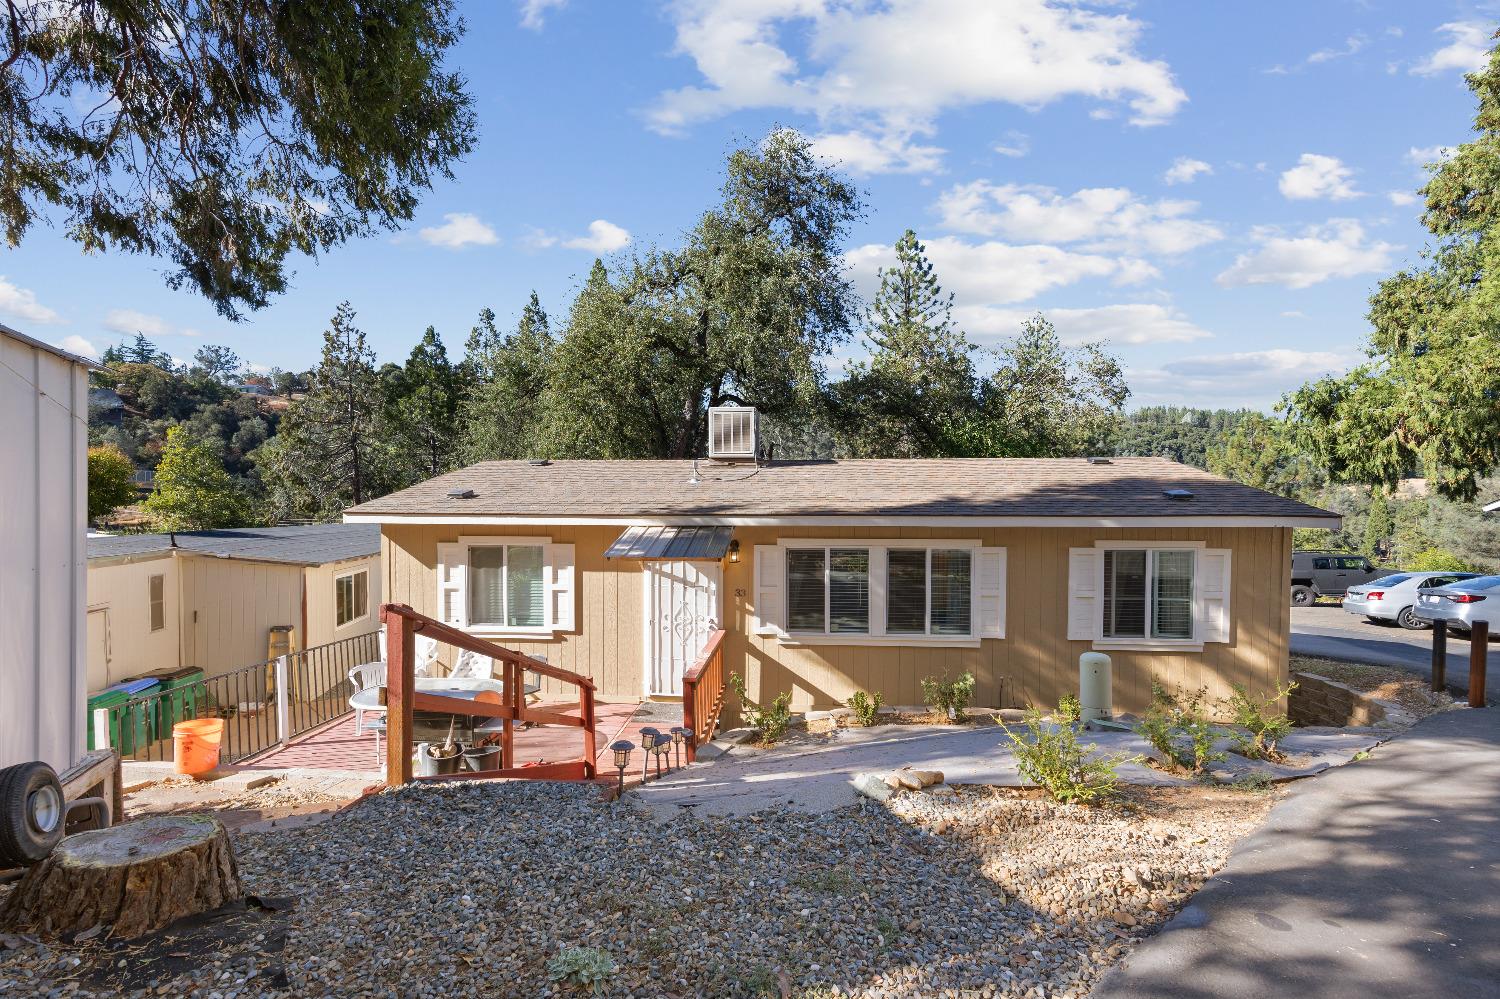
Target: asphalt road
x: 1327, y: 632
x: 1378, y: 880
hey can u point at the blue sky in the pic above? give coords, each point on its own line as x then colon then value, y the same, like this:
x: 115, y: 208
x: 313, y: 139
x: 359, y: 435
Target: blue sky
x: 1212, y: 188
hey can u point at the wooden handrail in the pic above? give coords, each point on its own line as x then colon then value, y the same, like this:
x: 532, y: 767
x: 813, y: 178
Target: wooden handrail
x: 703, y: 694
x: 402, y: 699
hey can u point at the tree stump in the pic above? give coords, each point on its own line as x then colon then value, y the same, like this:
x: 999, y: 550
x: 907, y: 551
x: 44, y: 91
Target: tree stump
x: 132, y: 878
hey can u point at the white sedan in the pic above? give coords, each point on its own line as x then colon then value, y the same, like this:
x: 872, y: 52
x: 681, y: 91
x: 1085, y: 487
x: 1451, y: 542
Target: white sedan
x: 1392, y: 598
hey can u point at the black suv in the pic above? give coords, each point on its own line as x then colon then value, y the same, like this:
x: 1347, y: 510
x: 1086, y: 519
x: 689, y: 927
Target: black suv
x: 1329, y: 574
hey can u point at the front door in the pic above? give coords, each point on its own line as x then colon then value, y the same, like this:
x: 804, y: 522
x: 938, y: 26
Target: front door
x: 682, y: 610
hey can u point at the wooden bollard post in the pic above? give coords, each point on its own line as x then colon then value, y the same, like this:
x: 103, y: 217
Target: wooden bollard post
x: 1479, y: 655
x: 1439, y: 655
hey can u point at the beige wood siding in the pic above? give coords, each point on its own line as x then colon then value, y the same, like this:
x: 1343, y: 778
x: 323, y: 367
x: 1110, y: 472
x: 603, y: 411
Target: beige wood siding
x: 322, y: 626
x: 1034, y: 663
x: 121, y: 591
x: 229, y: 607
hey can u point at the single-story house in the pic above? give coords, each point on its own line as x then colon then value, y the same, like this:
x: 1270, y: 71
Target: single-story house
x: 835, y: 576
x: 44, y: 411
x: 211, y: 598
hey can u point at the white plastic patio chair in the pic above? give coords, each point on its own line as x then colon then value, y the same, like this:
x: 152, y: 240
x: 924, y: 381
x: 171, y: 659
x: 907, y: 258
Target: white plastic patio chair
x: 427, y: 653
x: 364, y: 677
x: 473, y: 665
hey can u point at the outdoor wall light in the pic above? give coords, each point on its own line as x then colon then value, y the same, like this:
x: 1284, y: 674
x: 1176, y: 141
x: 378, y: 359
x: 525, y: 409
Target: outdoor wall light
x: 648, y: 744
x: 734, y: 550
x: 622, y: 748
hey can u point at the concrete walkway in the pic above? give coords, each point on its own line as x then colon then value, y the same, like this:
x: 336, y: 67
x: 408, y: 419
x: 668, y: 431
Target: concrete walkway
x: 1378, y: 879
x: 816, y: 776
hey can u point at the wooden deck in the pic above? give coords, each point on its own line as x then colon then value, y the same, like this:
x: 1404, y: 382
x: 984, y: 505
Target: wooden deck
x: 335, y: 746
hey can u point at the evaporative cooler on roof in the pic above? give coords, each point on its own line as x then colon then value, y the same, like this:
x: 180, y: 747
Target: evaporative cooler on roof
x: 733, y: 433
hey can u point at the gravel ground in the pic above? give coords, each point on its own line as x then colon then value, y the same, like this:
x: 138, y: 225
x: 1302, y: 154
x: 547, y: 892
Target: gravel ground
x: 467, y: 890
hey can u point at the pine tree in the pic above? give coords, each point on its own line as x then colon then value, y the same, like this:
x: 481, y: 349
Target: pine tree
x: 502, y: 413
x: 423, y: 410
x: 919, y: 377
x: 1378, y: 525
x: 333, y: 449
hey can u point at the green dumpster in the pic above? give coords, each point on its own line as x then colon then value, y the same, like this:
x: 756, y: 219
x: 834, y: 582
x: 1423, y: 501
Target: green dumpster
x: 128, y: 726
x: 185, y: 697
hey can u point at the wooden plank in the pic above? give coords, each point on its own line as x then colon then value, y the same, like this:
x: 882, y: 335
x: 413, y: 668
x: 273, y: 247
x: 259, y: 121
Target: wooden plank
x: 567, y: 770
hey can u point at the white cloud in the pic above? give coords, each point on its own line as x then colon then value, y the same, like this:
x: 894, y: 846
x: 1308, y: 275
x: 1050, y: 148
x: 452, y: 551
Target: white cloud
x: 603, y: 237
x: 1317, y: 176
x: 1352, y: 44
x: 1129, y: 323
x: 1110, y: 219
x: 1249, y: 378
x: 1402, y: 198
x: 1423, y: 155
x: 1468, y: 49
x: 1185, y: 170
x: 1294, y: 314
x: 862, y: 154
x: 459, y: 229
x: 1256, y: 362
x: 534, y: 12
x: 1336, y: 249
x: 21, y: 304
x: 893, y: 68
x: 993, y: 273
x: 78, y: 345
x: 129, y: 322
x: 1014, y: 144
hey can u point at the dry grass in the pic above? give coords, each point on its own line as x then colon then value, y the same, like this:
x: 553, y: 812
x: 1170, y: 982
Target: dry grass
x: 1385, y: 683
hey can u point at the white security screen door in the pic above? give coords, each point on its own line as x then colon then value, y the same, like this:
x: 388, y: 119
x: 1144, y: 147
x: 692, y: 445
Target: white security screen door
x: 682, y: 610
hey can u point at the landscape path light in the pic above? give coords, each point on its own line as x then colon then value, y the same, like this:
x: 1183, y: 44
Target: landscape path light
x: 648, y: 745
x: 622, y: 748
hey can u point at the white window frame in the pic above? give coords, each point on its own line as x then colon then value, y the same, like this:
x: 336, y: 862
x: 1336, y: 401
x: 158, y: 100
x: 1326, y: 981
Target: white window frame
x: 878, y: 549
x: 503, y: 630
x: 1148, y: 643
x: 828, y: 551
x: 356, y: 619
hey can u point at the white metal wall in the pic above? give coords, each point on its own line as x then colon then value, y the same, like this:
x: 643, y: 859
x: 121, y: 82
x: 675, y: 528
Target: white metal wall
x: 43, y: 512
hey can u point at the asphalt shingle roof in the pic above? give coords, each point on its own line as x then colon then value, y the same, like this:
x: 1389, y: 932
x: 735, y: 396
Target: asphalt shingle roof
x: 313, y: 544
x: 945, y: 487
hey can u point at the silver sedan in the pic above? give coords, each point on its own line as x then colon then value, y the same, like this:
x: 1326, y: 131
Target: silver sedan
x: 1462, y: 603
x: 1394, y: 598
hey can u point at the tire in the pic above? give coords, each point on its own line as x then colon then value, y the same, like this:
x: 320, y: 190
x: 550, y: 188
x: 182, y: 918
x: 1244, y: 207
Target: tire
x: 1303, y: 596
x: 1408, y: 619
x: 32, y: 813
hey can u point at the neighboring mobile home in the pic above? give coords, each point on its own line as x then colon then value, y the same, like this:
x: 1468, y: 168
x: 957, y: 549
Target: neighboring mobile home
x: 44, y: 411
x: 210, y: 598
x: 835, y: 576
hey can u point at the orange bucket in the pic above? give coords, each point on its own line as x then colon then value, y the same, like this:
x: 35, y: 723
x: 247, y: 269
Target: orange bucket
x: 195, y: 745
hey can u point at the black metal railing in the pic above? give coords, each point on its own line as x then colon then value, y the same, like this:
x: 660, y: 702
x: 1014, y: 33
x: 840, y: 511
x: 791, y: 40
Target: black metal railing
x: 316, y: 691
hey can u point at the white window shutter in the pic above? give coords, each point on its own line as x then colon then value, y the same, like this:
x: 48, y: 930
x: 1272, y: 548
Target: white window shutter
x: 1213, y: 595
x: 989, y: 592
x: 770, y: 589
x: 452, y: 598
x: 1083, y: 593
x: 560, y: 587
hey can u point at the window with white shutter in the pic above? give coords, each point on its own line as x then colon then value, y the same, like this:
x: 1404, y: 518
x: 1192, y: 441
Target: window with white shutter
x: 506, y: 585
x: 1137, y: 595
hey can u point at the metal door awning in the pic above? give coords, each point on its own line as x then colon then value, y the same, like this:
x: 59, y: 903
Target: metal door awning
x: 672, y: 543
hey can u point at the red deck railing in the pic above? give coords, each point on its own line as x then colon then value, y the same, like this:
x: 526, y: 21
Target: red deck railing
x: 703, y: 694
x: 402, y: 698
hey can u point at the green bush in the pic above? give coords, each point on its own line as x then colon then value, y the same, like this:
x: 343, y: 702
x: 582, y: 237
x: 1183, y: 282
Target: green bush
x: 1438, y: 560
x: 948, y: 699
x: 770, y: 720
x: 1171, y: 721
x: 865, y: 707
x: 1264, y: 730
x: 1069, y: 710
x: 582, y: 968
x: 1050, y: 756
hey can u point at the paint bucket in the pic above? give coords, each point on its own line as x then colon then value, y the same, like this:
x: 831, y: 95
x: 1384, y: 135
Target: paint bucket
x: 434, y: 765
x: 195, y: 745
x: 481, y: 758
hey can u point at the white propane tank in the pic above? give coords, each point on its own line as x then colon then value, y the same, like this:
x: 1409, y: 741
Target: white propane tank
x: 1094, y: 684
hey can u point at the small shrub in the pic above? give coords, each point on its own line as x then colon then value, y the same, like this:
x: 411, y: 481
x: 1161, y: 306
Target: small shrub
x: 1439, y: 560
x: 1051, y: 757
x: 948, y: 699
x: 1171, y: 720
x: 1069, y: 710
x: 1263, y: 730
x: 582, y: 968
x: 771, y: 720
x: 1255, y: 783
x: 865, y: 707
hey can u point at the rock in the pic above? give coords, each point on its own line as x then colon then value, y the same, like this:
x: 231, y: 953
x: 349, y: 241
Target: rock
x: 927, y: 778
x: 908, y: 780
x: 873, y: 786
x: 1122, y: 917
x: 942, y: 789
